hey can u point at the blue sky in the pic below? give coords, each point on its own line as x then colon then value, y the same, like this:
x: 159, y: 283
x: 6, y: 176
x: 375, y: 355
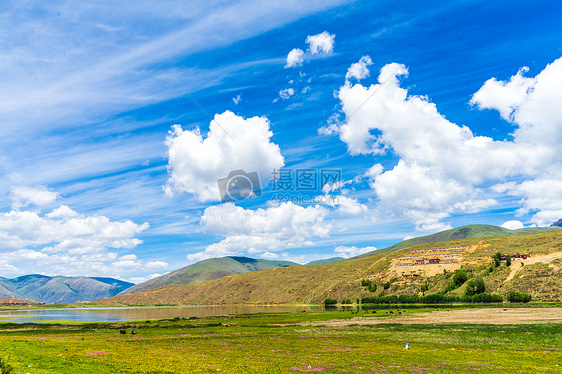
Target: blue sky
x: 436, y: 116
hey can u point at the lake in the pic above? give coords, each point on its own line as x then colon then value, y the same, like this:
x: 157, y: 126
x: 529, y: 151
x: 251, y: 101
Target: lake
x: 169, y: 312
x: 142, y: 313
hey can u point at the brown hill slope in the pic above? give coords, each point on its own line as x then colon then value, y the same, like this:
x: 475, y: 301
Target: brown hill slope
x: 312, y: 284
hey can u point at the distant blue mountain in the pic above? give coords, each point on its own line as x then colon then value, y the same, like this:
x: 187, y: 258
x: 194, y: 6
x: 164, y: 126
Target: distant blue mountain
x: 61, y: 290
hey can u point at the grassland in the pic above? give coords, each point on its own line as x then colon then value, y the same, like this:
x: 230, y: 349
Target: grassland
x: 285, y: 343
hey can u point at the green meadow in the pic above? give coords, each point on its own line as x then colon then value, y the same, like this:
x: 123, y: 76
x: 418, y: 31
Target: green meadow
x: 282, y: 343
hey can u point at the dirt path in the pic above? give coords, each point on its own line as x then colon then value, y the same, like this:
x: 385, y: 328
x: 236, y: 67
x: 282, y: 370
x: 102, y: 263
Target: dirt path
x: 514, y: 269
x: 495, y: 316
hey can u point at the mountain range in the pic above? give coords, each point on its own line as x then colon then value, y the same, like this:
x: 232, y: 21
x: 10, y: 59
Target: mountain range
x: 343, y: 279
x: 60, y: 290
x: 216, y: 268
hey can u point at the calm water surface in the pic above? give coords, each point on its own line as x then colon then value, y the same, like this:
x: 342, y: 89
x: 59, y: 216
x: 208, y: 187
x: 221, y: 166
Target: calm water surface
x: 144, y: 313
x: 141, y: 313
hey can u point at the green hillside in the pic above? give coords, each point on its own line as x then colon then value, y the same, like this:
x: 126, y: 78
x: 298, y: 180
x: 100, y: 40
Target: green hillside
x: 342, y: 280
x: 210, y: 269
x: 464, y: 232
x: 326, y: 261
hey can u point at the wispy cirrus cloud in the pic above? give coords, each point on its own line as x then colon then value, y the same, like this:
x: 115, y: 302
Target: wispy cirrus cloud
x: 50, y: 73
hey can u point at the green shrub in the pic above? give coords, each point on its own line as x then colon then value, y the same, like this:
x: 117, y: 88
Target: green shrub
x: 475, y: 287
x: 371, y: 286
x: 437, y: 298
x: 386, y: 285
x: 459, y: 278
x: 508, y: 260
x: 424, y: 287
x: 497, y: 258
x: 410, y: 299
x: 330, y: 302
x: 518, y: 297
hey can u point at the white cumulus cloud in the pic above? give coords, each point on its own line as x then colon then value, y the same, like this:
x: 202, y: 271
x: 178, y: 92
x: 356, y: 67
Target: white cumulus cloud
x: 359, y: 70
x: 65, y: 233
x: 262, y: 230
x: 353, y: 251
x: 295, y: 58
x: 344, y: 204
x: 137, y: 280
x: 156, y: 265
x: 512, y: 225
x: 542, y: 194
x: 195, y: 163
x: 65, y: 242
x: 321, y: 43
x: 442, y: 165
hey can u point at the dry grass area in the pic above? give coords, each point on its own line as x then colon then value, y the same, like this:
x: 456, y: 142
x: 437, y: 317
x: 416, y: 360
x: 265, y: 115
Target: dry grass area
x: 428, y: 270
x: 543, y: 258
x: 342, y: 280
x: 492, y: 316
